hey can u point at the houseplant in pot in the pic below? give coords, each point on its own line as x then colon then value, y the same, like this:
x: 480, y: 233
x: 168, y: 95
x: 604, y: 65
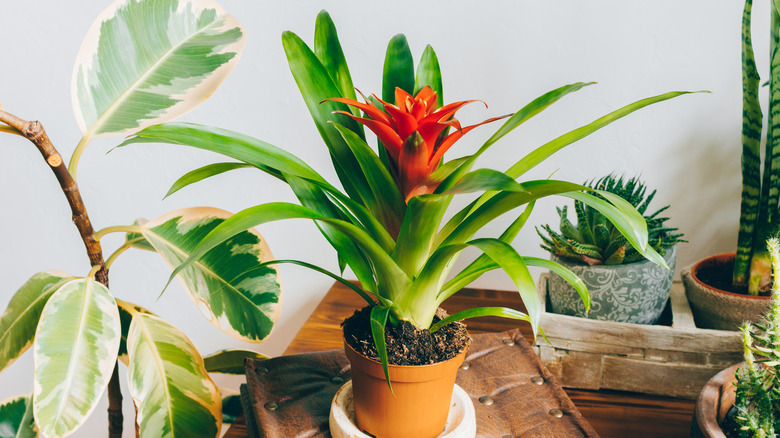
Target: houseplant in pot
x: 623, y: 286
x: 742, y: 401
x: 128, y: 75
x: 387, y: 223
x: 722, y: 297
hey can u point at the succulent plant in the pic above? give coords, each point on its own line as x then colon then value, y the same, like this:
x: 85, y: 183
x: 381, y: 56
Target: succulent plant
x: 757, y: 401
x: 595, y: 240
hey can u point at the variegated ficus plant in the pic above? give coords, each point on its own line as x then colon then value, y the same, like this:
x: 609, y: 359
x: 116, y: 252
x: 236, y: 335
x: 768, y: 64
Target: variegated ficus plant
x: 387, y: 223
x: 759, y: 217
x: 142, y: 62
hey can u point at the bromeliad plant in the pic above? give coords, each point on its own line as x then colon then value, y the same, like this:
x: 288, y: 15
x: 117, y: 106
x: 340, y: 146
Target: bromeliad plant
x: 760, y: 208
x: 388, y: 222
x: 75, y: 326
x: 595, y: 240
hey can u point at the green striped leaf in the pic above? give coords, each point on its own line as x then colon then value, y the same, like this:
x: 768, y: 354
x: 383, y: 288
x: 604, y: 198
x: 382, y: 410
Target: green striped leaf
x: 20, y: 319
x: 171, y: 389
x: 230, y: 361
x: 16, y: 418
x: 230, y: 290
x: 146, y: 62
x: 75, y: 351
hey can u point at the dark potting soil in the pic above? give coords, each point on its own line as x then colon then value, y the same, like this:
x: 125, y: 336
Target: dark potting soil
x: 719, y: 275
x: 406, y: 344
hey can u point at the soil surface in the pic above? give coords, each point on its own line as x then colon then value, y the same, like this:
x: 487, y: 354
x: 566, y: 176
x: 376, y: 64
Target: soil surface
x: 720, y: 275
x: 730, y: 427
x: 406, y: 344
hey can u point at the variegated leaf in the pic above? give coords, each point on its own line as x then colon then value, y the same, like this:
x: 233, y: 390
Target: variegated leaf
x: 170, y: 386
x: 126, y: 312
x: 75, y: 350
x: 16, y: 418
x: 18, y: 322
x: 149, y: 61
x: 226, y: 284
x: 230, y: 361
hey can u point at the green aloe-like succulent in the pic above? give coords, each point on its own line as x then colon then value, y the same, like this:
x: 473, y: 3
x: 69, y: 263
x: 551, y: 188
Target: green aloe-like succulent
x: 595, y: 240
x: 757, y: 401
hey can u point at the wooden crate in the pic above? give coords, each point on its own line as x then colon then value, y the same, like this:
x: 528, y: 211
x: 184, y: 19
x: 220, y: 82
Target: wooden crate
x: 675, y: 360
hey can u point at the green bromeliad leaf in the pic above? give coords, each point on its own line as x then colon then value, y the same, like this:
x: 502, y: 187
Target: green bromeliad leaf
x: 170, y: 386
x: 237, y: 297
x: 230, y: 361
x: 18, y: 322
x: 75, y: 350
x: 149, y: 61
x: 16, y: 418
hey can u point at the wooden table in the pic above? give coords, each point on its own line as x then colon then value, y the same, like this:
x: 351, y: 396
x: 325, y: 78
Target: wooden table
x: 612, y: 413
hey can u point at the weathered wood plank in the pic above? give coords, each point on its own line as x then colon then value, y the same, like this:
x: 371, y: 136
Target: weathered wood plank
x: 673, y: 379
x: 573, y: 369
x: 682, y: 317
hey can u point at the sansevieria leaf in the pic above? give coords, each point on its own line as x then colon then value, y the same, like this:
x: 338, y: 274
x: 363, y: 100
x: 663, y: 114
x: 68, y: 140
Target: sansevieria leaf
x: 149, y: 61
x: 16, y: 418
x: 170, y: 387
x: 230, y: 289
x: 75, y: 352
x: 18, y: 322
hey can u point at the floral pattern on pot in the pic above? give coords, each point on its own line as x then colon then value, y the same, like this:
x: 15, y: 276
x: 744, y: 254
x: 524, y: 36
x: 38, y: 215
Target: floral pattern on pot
x: 634, y: 293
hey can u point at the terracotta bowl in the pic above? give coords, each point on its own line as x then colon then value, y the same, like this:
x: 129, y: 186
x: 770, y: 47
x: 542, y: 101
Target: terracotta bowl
x: 714, y: 402
x: 718, y: 309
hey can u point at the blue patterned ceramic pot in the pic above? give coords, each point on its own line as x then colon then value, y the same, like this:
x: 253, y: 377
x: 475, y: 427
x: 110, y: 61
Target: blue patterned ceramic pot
x: 635, y: 292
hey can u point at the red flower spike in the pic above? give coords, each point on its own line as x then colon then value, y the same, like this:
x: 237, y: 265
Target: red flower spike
x: 410, y: 131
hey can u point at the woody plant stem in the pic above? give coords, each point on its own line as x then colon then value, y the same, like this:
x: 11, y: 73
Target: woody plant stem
x: 34, y: 132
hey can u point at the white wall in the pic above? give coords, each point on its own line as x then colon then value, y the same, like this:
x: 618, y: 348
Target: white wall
x: 504, y: 52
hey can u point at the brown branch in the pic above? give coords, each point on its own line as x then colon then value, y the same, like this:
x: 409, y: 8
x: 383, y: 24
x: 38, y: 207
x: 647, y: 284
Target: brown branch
x: 34, y: 132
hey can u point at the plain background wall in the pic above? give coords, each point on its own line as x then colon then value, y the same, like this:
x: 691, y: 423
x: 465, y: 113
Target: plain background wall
x: 504, y: 52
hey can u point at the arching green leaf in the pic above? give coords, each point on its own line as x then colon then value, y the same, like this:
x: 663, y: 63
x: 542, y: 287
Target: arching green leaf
x: 230, y: 361
x: 202, y: 173
x: 226, y: 285
x: 75, y: 350
x: 170, y: 387
x: 150, y: 61
x: 18, y: 322
x: 16, y: 418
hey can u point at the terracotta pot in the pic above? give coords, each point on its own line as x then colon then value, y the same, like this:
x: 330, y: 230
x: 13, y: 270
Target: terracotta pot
x: 422, y: 396
x: 714, y: 402
x: 715, y: 308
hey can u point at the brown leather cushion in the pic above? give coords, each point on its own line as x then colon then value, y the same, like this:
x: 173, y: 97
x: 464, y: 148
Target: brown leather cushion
x: 513, y: 393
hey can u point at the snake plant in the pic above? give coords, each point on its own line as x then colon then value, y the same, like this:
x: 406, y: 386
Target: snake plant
x: 595, y: 240
x: 759, y: 215
x: 388, y: 222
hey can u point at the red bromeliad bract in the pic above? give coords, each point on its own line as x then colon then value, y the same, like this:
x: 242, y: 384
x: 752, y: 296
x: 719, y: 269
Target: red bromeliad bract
x: 411, y: 133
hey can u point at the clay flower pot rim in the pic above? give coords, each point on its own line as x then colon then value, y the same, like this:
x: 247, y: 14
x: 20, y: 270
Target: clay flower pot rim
x: 393, y: 366
x: 727, y: 255
x: 709, y: 411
